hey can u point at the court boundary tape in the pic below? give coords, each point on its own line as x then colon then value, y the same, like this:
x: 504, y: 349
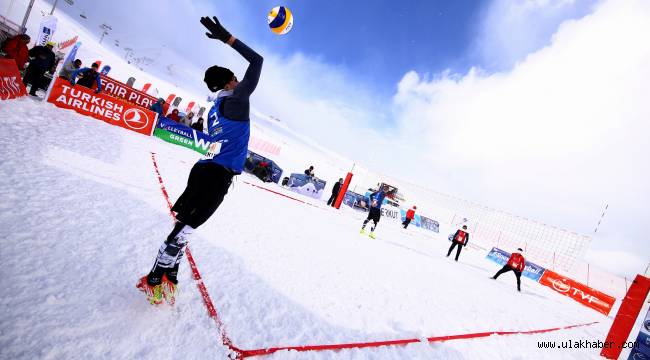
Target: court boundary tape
x: 242, y: 353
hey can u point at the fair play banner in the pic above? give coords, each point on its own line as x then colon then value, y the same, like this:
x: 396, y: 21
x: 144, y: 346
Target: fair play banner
x: 11, y: 85
x: 581, y: 293
x: 118, y: 89
x: 102, y: 107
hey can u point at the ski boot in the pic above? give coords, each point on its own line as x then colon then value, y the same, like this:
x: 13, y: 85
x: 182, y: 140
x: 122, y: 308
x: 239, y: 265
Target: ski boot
x: 372, y: 235
x: 169, y: 290
x: 154, y: 292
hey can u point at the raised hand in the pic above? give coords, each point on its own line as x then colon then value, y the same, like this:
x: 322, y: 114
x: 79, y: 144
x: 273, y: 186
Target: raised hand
x: 215, y: 30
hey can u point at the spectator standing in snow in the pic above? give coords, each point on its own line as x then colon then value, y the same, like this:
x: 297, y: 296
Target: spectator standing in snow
x: 174, y: 115
x: 157, y: 107
x: 210, y: 178
x: 198, y: 125
x: 69, y: 68
x: 16, y: 48
x: 516, y: 263
x: 187, y: 119
x: 87, y: 77
x: 42, y: 60
x: 410, y: 214
x: 310, y: 172
x: 460, y: 239
x: 335, y: 192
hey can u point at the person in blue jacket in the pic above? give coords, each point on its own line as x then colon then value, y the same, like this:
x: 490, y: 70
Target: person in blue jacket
x: 374, y: 213
x: 209, y: 180
x: 157, y: 107
x: 89, y: 76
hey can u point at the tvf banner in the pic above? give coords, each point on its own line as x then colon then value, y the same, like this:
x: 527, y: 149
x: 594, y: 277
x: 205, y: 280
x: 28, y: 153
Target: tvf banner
x: 11, y: 85
x: 120, y: 90
x: 175, y: 133
x: 581, y: 293
x: 102, y: 107
x: 531, y: 271
x: 422, y: 221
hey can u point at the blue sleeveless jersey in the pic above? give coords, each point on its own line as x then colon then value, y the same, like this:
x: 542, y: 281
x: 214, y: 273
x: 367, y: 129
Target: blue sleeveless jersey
x: 229, y: 140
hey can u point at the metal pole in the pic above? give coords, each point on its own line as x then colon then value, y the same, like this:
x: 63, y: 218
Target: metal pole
x: 27, y: 12
x: 54, y: 7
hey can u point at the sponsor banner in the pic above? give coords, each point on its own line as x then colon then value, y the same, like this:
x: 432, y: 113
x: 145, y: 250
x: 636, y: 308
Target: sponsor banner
x: 270, y: 173
x: 67, y: 43
x: 429, y: 224
x: 355, y: 201
x: 175, y: 133
x: 11, y: 85
x: 102, y: 107
x: 391, y: 212
x: 583, y: 294
x: 46, y: 30
x: 642, y: 351
x: 264, y: 146
x: 531, y: 270
x: 120, y: 90
x: 105, y: 70
x: 306, y: 185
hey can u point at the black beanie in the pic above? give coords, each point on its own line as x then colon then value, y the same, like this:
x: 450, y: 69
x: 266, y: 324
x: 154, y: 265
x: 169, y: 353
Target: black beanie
x: 217, y: 77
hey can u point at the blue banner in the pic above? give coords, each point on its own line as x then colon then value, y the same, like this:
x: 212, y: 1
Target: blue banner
x: 531, y: 271
x: 264, y: 168
x: 355, y: 201
x: 422, y: 221
x: 306, y: 185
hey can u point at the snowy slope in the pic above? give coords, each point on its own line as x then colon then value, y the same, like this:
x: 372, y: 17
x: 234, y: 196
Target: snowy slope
x: 83, y: 216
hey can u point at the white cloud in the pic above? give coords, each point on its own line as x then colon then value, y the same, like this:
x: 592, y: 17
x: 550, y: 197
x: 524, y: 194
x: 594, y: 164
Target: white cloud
x: 559, y: 135
x: 511, y: 29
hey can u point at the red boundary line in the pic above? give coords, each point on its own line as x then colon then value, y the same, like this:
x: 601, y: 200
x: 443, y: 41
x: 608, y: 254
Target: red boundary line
x: 241, y: 354
x: 267, y: 351
x: 281, y: 194
x: 212, y: 311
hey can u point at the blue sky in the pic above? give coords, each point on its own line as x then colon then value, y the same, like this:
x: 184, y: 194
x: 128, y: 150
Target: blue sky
x: 531, y: 106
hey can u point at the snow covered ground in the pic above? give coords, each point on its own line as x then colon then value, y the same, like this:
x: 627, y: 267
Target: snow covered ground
x: 83, y: 217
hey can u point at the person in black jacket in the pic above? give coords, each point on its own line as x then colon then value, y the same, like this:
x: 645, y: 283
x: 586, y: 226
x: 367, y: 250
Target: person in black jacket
x: 335, y: 192
x: 42, y: 60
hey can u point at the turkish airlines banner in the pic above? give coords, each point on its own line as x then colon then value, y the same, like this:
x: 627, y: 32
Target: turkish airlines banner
x: 583, y: 294
x: 102, y: 107
x: 11, y: 85
x: 121, y: 90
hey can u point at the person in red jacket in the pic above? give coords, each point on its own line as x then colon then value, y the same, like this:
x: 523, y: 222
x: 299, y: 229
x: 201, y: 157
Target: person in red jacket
x: 460, y: 239
x: 516, y: 263
x: 16, y: 48
x: 410, y: 214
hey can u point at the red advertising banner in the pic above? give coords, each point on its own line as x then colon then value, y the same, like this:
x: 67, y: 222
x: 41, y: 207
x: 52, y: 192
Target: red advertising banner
x: 120, y: 90
x: 11, y: 85
x: 102, y: 107
x: 583, y: 294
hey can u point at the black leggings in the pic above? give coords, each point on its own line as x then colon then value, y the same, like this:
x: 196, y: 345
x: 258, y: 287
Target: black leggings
x: 507, y: 268
x: 451, y: 248
x: 207, y: 185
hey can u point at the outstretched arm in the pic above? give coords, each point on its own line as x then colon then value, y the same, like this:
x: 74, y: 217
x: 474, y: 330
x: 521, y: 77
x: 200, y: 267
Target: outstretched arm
x: 248, y: 84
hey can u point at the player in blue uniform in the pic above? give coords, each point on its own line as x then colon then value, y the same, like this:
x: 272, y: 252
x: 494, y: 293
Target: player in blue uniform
x: 374, y: 213
x: 210, y: 178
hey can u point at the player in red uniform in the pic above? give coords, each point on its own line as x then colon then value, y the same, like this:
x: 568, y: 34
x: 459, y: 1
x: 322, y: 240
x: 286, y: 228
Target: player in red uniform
x: 460, y: 239
x: 516, y: 263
